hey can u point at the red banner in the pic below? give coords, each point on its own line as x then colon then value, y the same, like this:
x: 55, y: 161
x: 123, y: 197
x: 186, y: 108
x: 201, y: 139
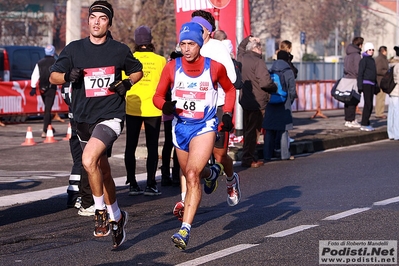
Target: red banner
x: 227, y: 16
x: 15, y: 99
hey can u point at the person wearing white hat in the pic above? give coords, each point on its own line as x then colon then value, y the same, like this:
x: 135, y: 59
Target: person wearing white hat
x: 366, y: 83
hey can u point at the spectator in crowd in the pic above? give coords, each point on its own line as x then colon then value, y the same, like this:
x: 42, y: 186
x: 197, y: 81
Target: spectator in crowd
x: 254, y: 96
x: 287, y: 46
x: 195, y: 122
x: 222, y: 36
x: 40, y: 78
x: 366, y: 83
x: 351, y: 70
x: 141, y: 110
x: 99, y: 58
x: 278, y: 117
x: 393, y: 100
x: 381, y: 63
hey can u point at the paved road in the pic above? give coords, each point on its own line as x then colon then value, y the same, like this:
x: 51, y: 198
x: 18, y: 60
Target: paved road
x: 287, y: 207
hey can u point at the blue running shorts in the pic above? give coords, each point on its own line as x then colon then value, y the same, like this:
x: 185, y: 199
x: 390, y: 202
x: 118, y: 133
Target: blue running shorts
x: 183, y: 133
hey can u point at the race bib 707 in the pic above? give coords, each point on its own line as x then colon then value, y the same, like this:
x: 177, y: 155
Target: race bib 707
x: 97, y: 81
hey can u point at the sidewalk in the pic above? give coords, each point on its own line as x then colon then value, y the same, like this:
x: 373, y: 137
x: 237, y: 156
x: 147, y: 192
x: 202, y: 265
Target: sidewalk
x: 310, y: 135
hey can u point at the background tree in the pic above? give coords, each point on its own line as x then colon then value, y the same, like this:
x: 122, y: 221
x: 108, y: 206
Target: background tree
x: 23, y: 23
x: 156, y: 14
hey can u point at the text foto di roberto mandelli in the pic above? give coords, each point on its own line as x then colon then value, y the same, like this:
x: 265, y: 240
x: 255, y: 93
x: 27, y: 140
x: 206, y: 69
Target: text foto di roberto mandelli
x: 355, y: 251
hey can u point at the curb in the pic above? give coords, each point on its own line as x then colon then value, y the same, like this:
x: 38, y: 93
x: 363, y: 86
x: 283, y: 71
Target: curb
x: 316, y: 145
x: 297, y: 147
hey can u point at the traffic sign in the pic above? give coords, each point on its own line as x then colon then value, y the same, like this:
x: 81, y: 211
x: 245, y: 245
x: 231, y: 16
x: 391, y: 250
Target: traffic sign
x: 303, y: 37
x: 219, y: 3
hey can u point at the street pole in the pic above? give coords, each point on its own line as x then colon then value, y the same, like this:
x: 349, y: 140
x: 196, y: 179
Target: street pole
x: 397, y: 21
x: 216, y: 13
x: 336, y: 53
x: 238, y: 112
x: 73, y: 25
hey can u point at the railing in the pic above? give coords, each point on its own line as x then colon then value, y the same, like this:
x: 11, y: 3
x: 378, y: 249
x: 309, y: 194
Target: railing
x: 16, y: 103
x: 315, y: 95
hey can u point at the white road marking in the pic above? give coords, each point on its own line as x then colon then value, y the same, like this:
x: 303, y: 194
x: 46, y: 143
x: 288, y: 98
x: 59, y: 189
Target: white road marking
x: 120, y: 181
x: 56, y: 192
x: 292, y: 230
x: 217, y: 255
x: 346, y: 213
x: 386, y: 202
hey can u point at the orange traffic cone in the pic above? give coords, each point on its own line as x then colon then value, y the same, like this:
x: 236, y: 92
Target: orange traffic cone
x: 69, y: 133
x: 49, y: 135
x: 29, y: 141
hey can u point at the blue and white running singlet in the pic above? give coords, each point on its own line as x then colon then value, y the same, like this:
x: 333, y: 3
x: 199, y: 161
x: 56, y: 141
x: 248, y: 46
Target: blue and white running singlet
x: 195, y: 107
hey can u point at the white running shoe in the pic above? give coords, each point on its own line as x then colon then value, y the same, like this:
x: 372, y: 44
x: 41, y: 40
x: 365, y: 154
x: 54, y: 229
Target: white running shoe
x: 367, y: 128
x: 90, y: 211
x: 233, y: 191
x: 352, y: 124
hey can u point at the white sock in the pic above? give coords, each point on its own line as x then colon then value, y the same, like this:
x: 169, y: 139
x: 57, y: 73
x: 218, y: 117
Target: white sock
x: 186, y: 225
x: 114, y: 212
x: 183, y: 196
x: 99, y: 202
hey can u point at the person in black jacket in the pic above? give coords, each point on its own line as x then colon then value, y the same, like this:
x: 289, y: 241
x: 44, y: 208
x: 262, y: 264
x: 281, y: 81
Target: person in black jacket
x: 366, y: 82
x: 40, y: 77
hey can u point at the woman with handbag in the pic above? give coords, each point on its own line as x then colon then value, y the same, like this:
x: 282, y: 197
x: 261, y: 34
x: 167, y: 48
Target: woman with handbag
x: 351, y: 69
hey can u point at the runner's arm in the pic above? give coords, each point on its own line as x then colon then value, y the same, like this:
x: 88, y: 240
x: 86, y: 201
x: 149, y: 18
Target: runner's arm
x: 165, y: 83
x: 227, y: 86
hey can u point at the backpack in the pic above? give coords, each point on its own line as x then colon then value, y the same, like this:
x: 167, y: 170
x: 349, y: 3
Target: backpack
x: 280, y: 96
x: 387, y: 83
x: 237, y: 67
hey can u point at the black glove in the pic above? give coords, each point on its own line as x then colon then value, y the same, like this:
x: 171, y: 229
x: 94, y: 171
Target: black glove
x: 73, y: 75
x: 227, y: 122
x: 32, y: 92
x: 120, y: 86
x: 169, y: 107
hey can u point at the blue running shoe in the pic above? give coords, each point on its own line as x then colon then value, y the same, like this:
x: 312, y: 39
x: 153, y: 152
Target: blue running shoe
x: 180, y: 239
x: 211, y: 185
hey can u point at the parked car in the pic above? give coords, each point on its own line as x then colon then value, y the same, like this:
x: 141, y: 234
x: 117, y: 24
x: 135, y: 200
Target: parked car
x: 18, y: 62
